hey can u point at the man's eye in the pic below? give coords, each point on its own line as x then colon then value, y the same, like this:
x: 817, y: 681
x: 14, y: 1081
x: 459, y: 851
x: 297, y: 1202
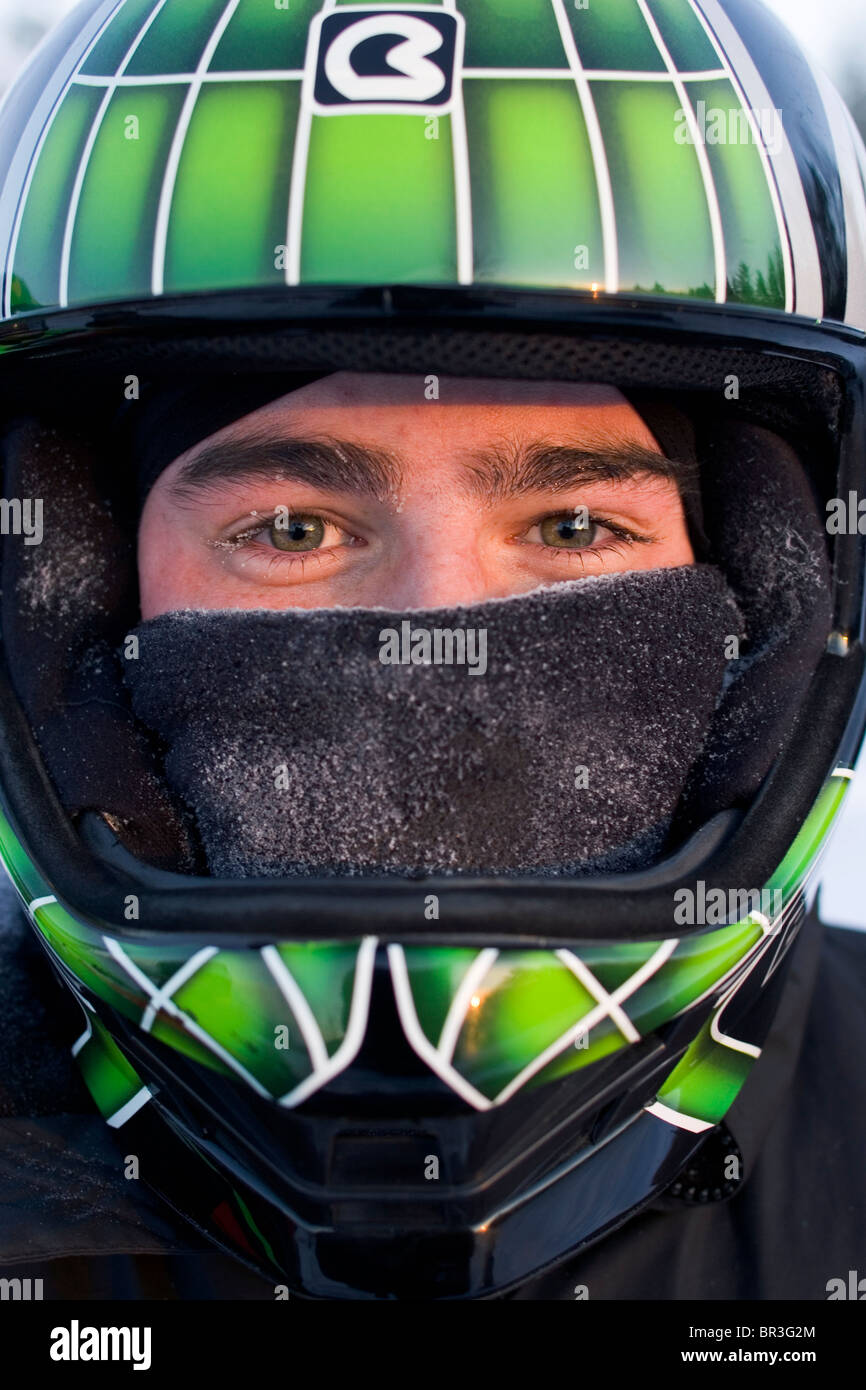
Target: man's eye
x: 296, y: 532
x: 568, y: 532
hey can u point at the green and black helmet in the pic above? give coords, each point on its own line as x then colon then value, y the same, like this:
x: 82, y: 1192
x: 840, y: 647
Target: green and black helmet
x: 661, y: 194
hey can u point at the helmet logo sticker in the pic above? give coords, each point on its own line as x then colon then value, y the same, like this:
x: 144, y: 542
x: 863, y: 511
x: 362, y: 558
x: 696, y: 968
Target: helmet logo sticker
x: 375, y: 59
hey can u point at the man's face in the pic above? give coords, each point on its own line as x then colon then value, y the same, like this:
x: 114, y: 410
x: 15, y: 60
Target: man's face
x: 358, y: 491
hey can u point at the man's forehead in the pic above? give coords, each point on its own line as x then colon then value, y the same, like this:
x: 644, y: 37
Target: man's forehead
x: 369, y: 391
x: 370, y: 433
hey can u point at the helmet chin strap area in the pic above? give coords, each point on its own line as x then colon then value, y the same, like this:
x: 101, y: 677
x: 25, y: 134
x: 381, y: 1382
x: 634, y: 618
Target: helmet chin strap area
x: 549, y: 733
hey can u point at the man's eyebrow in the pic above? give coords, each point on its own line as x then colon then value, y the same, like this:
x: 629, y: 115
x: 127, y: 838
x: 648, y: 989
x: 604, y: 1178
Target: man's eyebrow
x: 497, y: 473
x: 512, y: 470
x: 330, y: 464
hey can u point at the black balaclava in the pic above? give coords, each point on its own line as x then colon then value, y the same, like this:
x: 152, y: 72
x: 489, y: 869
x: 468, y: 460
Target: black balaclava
x: 340, y: 741
x: 300, y: 750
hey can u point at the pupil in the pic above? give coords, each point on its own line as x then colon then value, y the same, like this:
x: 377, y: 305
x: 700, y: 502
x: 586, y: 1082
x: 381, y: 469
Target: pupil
x: 568, y: 531
x: 298, y: 533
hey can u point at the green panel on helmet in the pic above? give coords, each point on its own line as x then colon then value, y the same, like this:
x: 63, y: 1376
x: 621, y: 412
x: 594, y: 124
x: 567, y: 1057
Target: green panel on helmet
x: 808, y: 844
x: 376, y: 194
x: 118, y: 38
x: 85, y: 955
x: 658, y: 191
x: 697, y: 964
x: 707, y: 1079
x: 437, y: 974
x: 177, y: 38
x: 522, y: 136
x: 613, y: 964
x: 231, y: 198
x: 512, y: 34
x: 171, y: 1032
x: 614, y: 35
x: 326, y: 978
x: 25, y: 877
x: 756, y: 273
x: 36, y: 268
x: 235, y: 1000
x: 685, y: 37
x: 259, y: 36
x: 379, y: 201
x: 112, y: 248
x: 587, y: 1048
x: 109, y: 1077
x: 525, y: 1002
x: 532, y: 1002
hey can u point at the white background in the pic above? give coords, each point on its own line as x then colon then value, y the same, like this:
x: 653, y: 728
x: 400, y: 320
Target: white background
x: 834, y: 34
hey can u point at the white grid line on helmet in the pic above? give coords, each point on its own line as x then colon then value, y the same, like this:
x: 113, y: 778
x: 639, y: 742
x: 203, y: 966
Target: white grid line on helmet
x: 84, y: 161
x: 607, y: 208
x: 769, y: 171
x: 37, y: 153
x: 807, y: 285
x: 174, y: 156
x: 715, y: 212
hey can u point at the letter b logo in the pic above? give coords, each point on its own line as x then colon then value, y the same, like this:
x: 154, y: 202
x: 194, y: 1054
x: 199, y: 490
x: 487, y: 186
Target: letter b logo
x: 385, y: 59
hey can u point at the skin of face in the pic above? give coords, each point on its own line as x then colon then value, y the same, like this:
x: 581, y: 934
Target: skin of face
x: 443, y: 526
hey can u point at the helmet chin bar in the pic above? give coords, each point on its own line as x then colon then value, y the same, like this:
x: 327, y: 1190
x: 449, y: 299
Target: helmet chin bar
x: 386, y: 1184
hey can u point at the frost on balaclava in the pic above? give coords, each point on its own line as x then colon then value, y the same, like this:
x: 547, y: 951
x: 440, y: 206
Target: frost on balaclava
x: 548, y: 733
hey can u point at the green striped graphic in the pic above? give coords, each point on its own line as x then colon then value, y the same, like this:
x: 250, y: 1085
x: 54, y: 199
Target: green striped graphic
x: 325, y: 977
x: 613, y: 34
x: 177, y: 38
x: 234, y: 999
x: 223, y: 231
x: 112, y: 249
x: 522, y: 136
x: 696, y: 964
x: 658, y: 191
x: 529, y: 1000
x: 261, y: 36
x: 109, y: 1077
x: 118, y: 38
x: 707, y: 1080
x: 808, y: 843
x: 379, y: 197
x: 752, y: 246
x: 36, y: 268
x: 526, y: 1002
x: 379, y: 202
x: 684, y: 36
x: 512, y: 34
